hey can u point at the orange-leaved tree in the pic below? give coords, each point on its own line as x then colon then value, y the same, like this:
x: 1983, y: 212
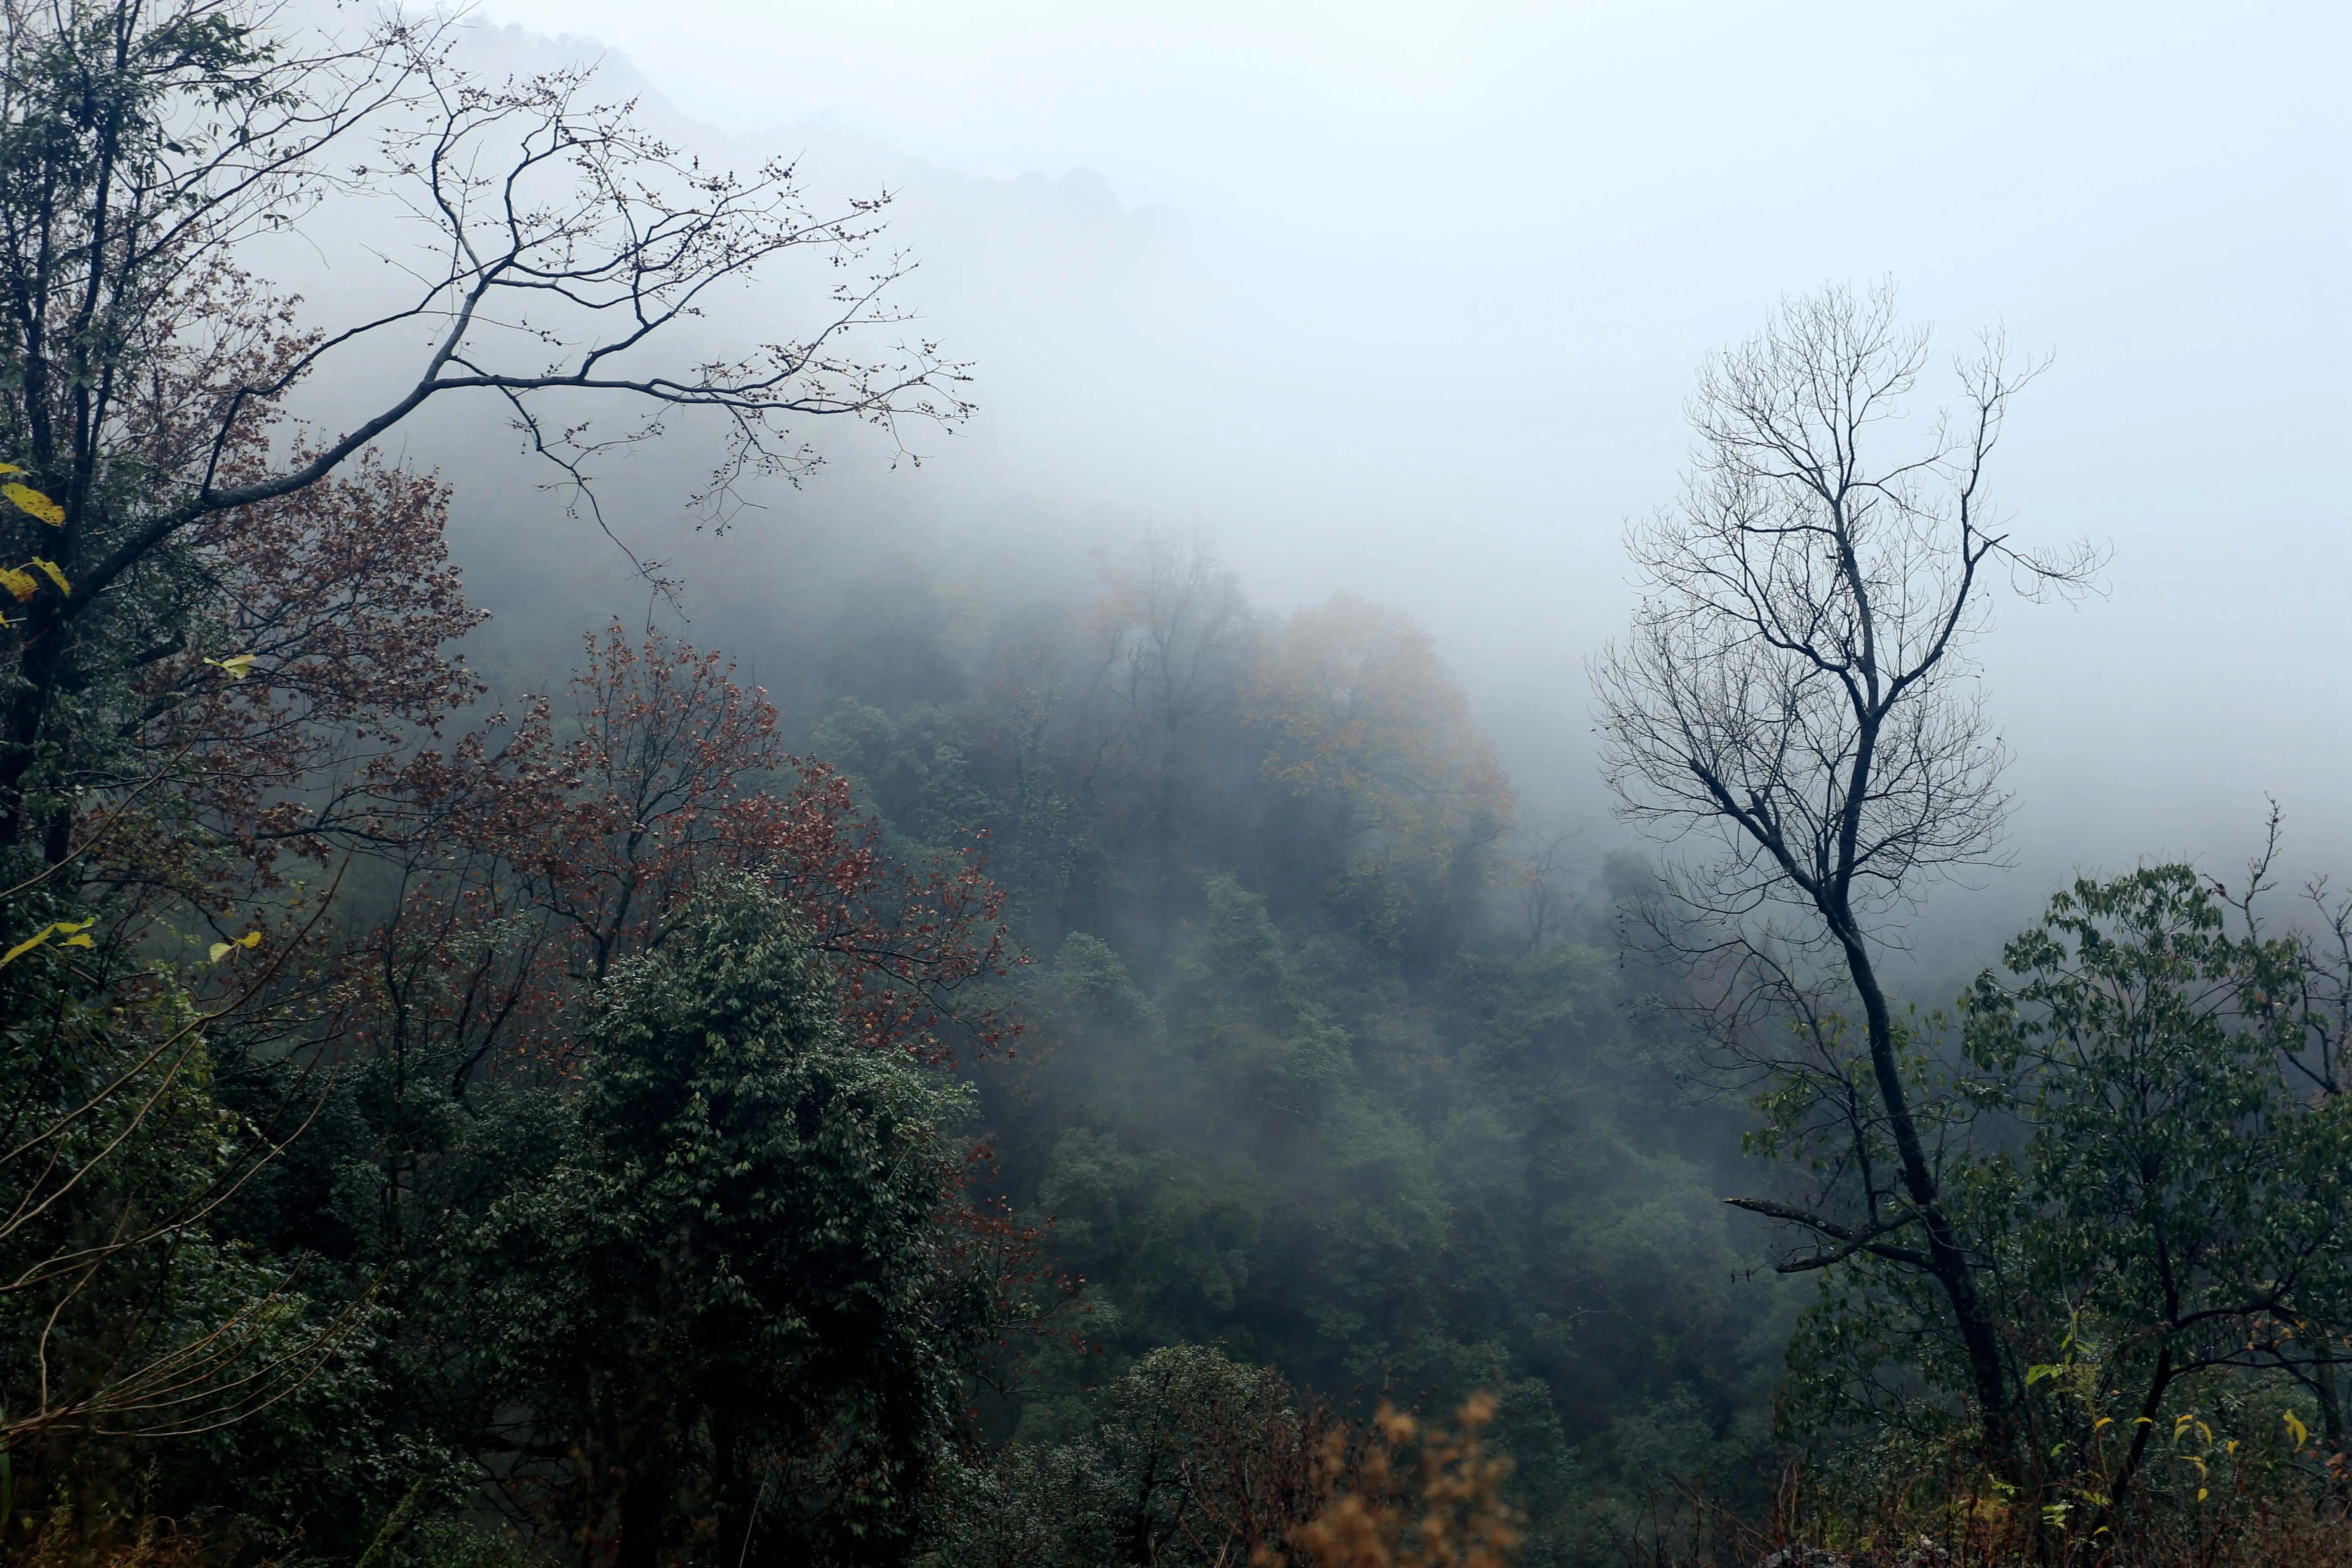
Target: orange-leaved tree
x: 1375, y: 742
x: 1402, y: 1497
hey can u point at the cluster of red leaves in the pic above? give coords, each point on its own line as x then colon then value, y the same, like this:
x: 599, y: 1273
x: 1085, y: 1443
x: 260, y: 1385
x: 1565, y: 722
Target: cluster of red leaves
x: 326, y: 651
x: 489, y: 882
x: 242, y: 671
x: 286, y: 695
x: 540, y: 850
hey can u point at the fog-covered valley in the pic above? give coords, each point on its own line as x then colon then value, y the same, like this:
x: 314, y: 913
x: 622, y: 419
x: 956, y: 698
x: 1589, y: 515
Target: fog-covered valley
x: 1423, y: 330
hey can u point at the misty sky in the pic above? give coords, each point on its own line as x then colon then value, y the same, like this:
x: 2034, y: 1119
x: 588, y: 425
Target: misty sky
x: 1405, y: 298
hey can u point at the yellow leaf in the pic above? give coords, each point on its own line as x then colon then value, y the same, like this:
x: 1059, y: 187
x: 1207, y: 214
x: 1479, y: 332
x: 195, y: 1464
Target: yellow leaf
x: 10, y: 468
x: 54, y: 575
x: 221, y: 949
x: 25, y: 946
x: 2201, y: 1494
x: 236, y: 666
x: 47, y: 931
x: 81, y: 941
x: 24, y: 585
x: 29, y: 499
x: 2294, y: 1424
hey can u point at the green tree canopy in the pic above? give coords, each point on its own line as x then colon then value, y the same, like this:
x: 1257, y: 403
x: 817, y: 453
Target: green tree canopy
x: 729, y: 1322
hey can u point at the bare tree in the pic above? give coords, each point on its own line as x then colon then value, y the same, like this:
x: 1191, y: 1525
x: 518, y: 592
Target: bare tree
x: 1538, y: 868
x: 566, y: 254
x: 1796, y: 698
x: 1170, y: 640
x: 1166, y: 635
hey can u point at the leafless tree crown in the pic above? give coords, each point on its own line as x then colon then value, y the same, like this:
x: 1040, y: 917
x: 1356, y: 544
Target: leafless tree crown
x: 1796, y: 682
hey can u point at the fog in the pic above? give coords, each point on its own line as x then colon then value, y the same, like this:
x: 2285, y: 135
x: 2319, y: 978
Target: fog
x: 1406, y: 301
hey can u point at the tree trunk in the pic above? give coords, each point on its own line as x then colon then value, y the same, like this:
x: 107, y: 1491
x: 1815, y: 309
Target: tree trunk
x: 40, y: 673
x: 2328, y: 1391
x: 1948, y: 1259
x: 644, y: 1500
x: 2149, y: 1406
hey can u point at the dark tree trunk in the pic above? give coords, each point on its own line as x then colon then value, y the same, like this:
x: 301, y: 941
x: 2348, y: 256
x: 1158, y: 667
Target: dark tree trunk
x: 1948, y: 1259
x: 40, y: 674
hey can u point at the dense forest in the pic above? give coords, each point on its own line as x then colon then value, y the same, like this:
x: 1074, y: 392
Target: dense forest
x: 1081, y: 1069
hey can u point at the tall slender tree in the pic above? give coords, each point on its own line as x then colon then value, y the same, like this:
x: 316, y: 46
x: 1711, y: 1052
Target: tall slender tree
x: 1796, y: 698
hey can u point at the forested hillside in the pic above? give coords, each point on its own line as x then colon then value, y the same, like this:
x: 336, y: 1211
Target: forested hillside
x: 1079, y: 1067
x: 1322, y: 1061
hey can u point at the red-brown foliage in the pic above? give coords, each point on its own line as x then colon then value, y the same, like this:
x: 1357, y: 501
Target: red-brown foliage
x: 328, y: 647
x: 539, y: 850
